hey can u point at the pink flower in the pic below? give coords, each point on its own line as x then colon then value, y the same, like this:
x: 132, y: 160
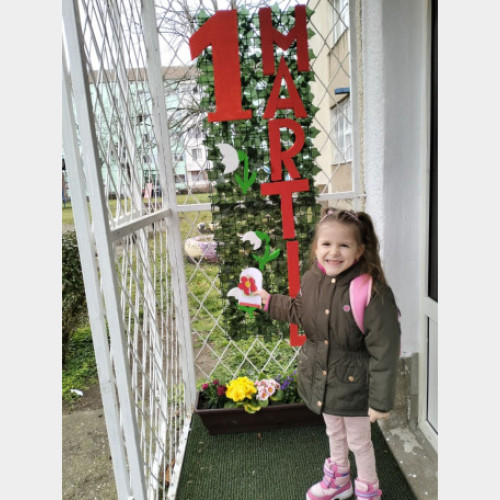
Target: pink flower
x: 221, y: 390
x: 205, y: 387
x: 266, y: 388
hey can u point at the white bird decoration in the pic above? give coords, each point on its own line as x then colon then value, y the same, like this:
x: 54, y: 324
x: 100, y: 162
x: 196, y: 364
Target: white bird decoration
x: 252, y: 237
x: 229, y: 157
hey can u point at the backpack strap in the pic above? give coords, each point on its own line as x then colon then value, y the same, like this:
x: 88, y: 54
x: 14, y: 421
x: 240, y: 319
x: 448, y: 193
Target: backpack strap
x: 360, y: 291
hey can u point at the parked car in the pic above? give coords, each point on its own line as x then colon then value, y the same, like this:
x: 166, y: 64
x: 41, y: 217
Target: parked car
x: 181, y: 188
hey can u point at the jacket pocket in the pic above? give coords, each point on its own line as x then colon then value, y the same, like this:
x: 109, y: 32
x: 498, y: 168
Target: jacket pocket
x: 352, y: 385
x: 352, y: 373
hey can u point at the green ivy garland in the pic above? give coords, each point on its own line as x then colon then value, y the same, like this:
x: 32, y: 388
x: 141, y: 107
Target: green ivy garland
x: 237, y: 203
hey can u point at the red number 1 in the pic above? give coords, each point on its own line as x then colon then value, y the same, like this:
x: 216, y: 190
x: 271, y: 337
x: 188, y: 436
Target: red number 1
x: 221, y: 32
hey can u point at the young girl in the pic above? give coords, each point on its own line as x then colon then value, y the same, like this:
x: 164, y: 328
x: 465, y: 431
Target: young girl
x: 346, y: 375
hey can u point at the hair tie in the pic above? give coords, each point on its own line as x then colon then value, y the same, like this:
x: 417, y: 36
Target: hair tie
x: 330, y: 211
x: 353, y: 215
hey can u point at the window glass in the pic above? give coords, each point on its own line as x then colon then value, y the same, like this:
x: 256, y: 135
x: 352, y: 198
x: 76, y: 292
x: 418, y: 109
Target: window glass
x: 342, y: 128
x: 340, y: 18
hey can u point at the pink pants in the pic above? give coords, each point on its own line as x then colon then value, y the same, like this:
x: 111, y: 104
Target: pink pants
x: 352, y: 433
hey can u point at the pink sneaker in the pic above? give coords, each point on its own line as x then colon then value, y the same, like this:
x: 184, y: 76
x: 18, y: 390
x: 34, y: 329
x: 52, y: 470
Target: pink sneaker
x: 335, y: 485
x: 364, y: 489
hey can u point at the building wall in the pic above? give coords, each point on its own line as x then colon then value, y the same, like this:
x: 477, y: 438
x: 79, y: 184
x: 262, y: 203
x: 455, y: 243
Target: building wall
x: 393, y: 116
x: 321, y: 44
x: 329, y: 75
x: 395, y: 108
x: 339, y: 75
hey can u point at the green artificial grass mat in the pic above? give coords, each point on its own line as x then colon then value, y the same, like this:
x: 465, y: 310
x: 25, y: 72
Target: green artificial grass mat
x: 276, y: 464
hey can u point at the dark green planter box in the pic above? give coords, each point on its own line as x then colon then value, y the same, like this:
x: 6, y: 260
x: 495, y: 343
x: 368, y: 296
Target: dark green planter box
x: 275, y: 416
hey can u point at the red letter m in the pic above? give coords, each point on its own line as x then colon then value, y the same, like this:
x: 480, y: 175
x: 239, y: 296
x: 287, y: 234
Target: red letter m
x: 269, y: 36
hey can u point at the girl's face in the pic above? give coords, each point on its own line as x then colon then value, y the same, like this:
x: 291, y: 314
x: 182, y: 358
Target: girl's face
x: 337, y: 248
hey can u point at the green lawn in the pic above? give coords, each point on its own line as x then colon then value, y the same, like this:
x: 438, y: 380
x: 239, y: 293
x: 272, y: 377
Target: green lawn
x: 81, y: 363
x: 80, y: 371
x: 67, y: 215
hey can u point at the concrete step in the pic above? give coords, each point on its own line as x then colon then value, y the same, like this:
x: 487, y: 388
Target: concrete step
x: 416, y: 456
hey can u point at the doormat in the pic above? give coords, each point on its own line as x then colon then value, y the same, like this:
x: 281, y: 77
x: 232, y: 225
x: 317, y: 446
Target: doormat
x: 279, y: 464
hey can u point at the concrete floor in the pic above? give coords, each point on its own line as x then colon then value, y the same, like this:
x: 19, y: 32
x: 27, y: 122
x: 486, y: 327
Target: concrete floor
x: 415, y: 455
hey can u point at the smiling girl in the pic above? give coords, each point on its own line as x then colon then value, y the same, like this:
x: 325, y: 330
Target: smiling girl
x: 347, y: 375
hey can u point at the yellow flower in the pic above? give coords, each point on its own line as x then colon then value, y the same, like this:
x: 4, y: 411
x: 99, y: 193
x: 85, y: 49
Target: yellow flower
x: 240, y: 389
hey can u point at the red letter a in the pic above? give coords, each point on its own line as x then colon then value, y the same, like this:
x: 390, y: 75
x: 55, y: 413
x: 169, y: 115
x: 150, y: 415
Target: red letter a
x: 293, y: 102
x: 276, y: 155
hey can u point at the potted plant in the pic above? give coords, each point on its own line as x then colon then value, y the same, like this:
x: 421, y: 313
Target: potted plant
x: 245, y: 405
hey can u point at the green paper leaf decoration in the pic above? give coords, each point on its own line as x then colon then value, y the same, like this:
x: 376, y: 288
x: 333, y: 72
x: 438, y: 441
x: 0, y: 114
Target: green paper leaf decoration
x: 274, y: 255
x: 247, y: 309
x: 263, y: 236
x: 238, y: 207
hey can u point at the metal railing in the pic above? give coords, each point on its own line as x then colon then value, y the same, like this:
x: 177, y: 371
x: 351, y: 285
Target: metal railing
x: 137, y: 170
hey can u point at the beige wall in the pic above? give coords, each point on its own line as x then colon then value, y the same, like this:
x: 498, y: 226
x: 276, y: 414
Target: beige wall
x: 328, y: 77
x: 339, y: 67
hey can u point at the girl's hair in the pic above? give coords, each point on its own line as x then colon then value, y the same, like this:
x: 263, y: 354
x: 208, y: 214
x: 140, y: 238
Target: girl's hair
x: 364, y: 231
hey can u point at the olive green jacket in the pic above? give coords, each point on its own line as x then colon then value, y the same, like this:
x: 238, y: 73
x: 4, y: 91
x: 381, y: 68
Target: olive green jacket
x: 342, y: 371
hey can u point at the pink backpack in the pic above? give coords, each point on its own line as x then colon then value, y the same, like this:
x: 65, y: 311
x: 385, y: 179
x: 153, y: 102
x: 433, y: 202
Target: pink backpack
x: 360, y: 291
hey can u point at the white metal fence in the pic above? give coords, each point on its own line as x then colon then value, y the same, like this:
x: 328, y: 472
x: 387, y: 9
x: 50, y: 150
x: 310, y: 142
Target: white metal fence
x: 132, y: 139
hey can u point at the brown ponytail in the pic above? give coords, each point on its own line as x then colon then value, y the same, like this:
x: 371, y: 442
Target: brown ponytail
x: 370, y: 259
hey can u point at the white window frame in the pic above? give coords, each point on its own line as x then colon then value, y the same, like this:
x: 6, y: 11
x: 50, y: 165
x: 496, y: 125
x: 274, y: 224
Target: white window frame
x: 196, y: 154
x: 342, y: 128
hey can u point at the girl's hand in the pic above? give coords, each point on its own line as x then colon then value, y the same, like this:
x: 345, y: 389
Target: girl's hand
x: 377, y: 415
x: 263, y: 295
